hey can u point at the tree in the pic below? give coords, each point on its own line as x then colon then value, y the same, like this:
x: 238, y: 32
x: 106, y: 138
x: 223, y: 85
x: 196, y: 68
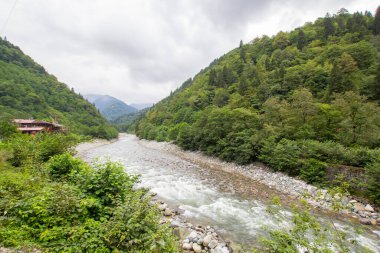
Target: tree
x: 341, y: 73
x: 243, y: 52
x: 212, y: 79
x: 328, y: 26
x: 302, y: 103
x: 280, y: 41
x: 376, y: 86
x: 376, y: 24
x: 301, y: 39
x: 360, y: 119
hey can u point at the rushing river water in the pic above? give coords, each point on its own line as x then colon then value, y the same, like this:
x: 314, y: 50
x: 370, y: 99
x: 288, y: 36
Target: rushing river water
x: 207, y: 196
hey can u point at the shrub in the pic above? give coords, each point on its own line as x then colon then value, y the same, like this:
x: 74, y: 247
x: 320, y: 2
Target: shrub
x: 373, y: 182
x: 313, y: 171
x: 61, y: 166
x: 282, y: 156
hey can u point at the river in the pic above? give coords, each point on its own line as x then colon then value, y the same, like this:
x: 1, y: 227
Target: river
x: 233, y: 203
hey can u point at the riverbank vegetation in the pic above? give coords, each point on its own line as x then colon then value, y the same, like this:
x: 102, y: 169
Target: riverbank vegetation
x: 54, y: 202
x: 305, y: 102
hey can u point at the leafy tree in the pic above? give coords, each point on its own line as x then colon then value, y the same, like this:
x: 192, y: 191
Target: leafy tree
x: 360, y: 119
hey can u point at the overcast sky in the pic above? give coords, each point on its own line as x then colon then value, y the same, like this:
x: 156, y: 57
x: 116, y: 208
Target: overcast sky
x: 140, y: 50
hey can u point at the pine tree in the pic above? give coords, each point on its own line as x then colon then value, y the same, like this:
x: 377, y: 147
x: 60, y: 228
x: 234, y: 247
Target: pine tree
x: 328, y: 26
x: 376, y: 88
x: 376, y: 25
x: 301, y: 40
x: 212, y: 80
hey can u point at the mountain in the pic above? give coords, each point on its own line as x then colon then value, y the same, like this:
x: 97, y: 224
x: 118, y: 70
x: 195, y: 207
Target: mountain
x: 28, y: 91
x: 142, y: 106
x: 127, y: 122
x: 304, y: 102
x: 111, y: 108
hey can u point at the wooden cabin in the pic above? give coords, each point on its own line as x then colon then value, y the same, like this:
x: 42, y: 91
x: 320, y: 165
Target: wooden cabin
x: 31, y: 126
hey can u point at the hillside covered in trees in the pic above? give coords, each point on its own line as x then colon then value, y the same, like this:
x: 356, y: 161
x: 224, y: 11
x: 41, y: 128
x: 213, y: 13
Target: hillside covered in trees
x: 28, y: 91
x: 304, y: 102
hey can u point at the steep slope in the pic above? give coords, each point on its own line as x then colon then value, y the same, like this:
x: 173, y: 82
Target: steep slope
x: 28, y: 91
x: 303, y: 102
x: 127, y: 122
x: 111, y: 108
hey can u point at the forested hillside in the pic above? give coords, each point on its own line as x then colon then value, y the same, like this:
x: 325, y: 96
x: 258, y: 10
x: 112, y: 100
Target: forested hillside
x: 305, y: 102
x: 28, y: 91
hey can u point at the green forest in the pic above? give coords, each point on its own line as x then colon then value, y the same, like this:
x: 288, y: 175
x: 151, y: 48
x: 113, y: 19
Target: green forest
x: 304, y: 102
x: 28, y: 91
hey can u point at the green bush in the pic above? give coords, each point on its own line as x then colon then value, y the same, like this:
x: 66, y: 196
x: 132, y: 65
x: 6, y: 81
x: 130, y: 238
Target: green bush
x: 372, y: 186
x: 108, y: 182
x: 61, y: 166
x: 282, y: 156
x: 313, y: 171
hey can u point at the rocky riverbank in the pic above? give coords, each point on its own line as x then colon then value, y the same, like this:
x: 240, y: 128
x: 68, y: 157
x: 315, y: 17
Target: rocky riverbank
x: 294, y: 188
x: 85, y: 146
x: 193, y: 238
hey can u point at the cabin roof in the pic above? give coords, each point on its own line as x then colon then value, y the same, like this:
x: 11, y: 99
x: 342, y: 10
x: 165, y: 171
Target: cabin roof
x: 24, y: 121
x: 30, y: 128
x: 32, y: 121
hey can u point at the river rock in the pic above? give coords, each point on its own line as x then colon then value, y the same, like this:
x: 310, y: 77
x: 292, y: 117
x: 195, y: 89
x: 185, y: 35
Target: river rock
x: 193, y: 234
x: 219, y: 249
x: 197, y: 248
x: 207, y: 240
x: 213, y: 244
x: 365, y: 221
x: 168, y: 212
x: 187, y: 246
x: 369, y: 208
x: 162, y: 207
x: 358, y: 207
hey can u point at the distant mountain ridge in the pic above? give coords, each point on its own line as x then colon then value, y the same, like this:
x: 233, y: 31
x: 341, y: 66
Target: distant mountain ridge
x: 110, y: 107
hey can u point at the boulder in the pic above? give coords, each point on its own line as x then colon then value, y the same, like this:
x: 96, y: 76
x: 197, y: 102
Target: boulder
x: 365, y: 221
x: 207, y: 240
x: 192, y: 235
x: 187, y: 246
x: 197, y: 248
x: 369, y: 208
x: 358, y: 207
x: 162, y: 207
x: 213, y: 244
x: 168, y: 212
x: 220, y: 249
